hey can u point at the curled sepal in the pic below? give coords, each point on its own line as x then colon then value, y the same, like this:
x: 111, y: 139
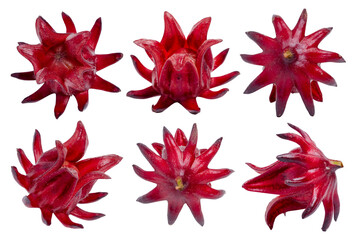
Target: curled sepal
x: 77, y: 144
x: 279, y: 205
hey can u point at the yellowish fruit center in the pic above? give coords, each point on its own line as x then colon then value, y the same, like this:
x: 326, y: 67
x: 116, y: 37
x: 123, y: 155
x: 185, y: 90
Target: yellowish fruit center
x: 179, y: 184
x: 288, y: 54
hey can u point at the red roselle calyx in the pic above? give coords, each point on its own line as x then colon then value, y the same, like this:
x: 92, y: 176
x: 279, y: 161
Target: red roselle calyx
x: 181, y: 173
x: 291, y: 63
x: 66, y: 64
x: 59, y: 180
x: 183, y: 67
x: 303, y: 178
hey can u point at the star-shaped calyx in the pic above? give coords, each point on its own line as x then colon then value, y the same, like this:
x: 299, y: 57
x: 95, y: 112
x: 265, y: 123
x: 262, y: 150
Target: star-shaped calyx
x: 291, y: 63
x: 181, y: 173
x: 66, y: 64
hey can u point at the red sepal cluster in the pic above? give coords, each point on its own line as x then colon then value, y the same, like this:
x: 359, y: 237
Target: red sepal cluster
x: 66, y: 64
x: 303, y: 178
x: 59, y: 180
x: 183, y: 67
x: 181, y: 173
x: 291, y: 63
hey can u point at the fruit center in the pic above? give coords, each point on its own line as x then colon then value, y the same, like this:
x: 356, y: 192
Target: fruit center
x: 289, y: 55
x: 179, y: 184
x: 61, y: 62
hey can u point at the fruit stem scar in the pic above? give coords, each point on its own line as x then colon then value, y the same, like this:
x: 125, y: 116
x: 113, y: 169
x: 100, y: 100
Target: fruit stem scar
x: 179, y: 184
x: 288, y: 54
x: 337, y: 163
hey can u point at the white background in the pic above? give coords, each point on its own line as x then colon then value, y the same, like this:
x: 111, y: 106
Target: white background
x: 115, y: 123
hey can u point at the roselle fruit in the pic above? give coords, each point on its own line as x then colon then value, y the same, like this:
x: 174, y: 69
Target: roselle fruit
x: 303, y: 178
x: 59, y: 180
x: 66, y: 64
x: 183, y: 67
x: 181, y: 173
x: 291, y: 63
